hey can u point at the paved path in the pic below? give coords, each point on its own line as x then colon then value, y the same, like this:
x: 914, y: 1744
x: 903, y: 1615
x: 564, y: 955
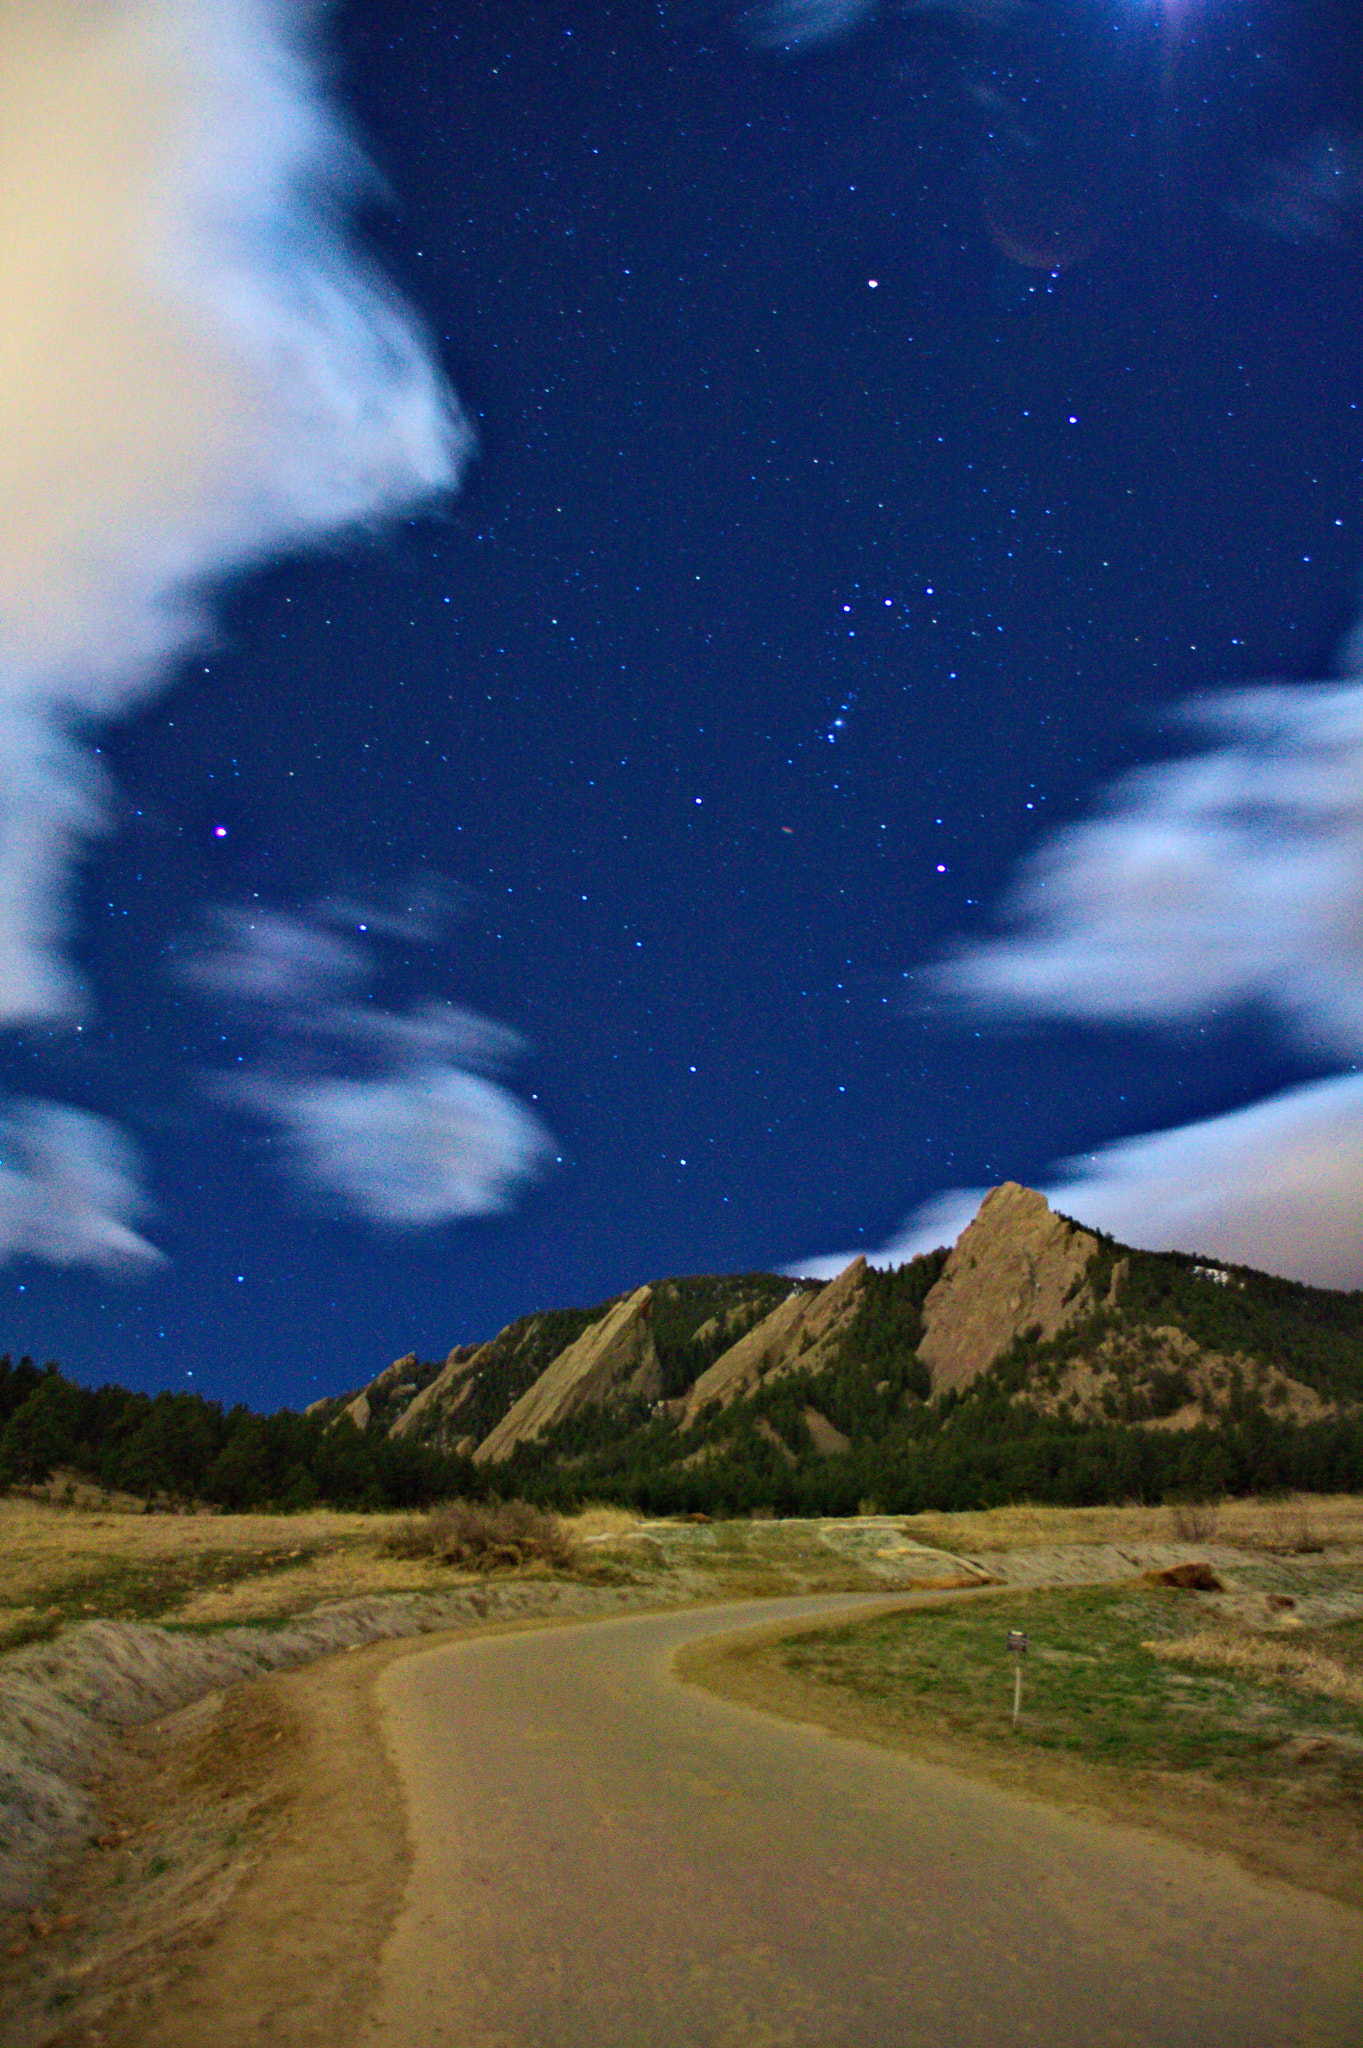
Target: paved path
x: 606, y: 1858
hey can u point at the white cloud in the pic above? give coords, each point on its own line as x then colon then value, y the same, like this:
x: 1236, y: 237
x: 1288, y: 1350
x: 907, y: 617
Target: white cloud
x: 391, y: 1111
x: 260, y: 956
x: 69, y: 1185
x: 1235, y: 876
x: 197, y: 373
x: 424, y: 1147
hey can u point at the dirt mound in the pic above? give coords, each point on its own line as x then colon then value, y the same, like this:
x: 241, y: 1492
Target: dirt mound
x: 1189, y: 1578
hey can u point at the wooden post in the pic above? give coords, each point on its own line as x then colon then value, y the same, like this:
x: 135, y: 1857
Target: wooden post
x: 1017, y: 1643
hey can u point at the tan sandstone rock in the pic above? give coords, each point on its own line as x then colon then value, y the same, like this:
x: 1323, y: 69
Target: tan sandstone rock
x: 615, y: 1357
x: 1017, y: 1267
x: 800, y: 1333
x: 445, y: 1395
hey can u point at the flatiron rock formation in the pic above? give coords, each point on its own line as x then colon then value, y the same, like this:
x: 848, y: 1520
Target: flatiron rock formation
x: 803, y: 1332
x: 716, y: 1391
x: 613, y: 1359
x: 1017, y: 1268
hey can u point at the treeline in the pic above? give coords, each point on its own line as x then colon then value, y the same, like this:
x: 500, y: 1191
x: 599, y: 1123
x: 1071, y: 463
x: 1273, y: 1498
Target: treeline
x: 183, y: 1448
x: 984, y: 1456
x: 1315, y: 1334
x: 906, y: 1451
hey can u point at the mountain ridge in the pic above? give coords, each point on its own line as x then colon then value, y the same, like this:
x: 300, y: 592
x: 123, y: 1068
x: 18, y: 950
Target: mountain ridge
x: 1030, y: 1327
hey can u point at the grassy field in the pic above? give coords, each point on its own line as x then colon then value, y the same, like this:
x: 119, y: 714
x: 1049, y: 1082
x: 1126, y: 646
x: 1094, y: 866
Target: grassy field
x: 64, y: 1560
x: 1122, y: 1677
x: 1301, y: 1523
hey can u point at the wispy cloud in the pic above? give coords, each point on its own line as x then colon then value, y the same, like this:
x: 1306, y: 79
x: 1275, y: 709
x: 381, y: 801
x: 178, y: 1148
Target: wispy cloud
x: 430, y: 1145
x: 197, y: 372
x: 393, y: 1112
x: 1313, y: 194
x: 69, y: 1189
x: 795, y: 24
x: 1231, y: 878
x: 802, y: 24
x: 1278, y: 1185
x: 264, y: 957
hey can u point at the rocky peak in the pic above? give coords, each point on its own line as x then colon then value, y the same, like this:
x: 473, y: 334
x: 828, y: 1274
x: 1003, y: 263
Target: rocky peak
x: 1017, y: 1267
x: 446, y: 1393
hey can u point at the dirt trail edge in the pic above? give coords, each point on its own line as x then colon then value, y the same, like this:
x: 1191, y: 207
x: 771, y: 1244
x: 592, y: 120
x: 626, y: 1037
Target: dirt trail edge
x: 606, y: 1857
x: 171, y: 1830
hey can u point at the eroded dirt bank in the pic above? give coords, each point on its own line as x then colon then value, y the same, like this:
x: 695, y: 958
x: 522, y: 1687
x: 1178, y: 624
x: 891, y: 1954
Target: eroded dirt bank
x: 146, y: 1779
x: 212, y: 1797
x: 59, y: 1702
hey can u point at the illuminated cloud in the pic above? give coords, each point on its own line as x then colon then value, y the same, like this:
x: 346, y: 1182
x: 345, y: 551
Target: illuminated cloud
x: 260, y: 956
x: 392, y: 1112
x: 1232, y: 877
x: 1278, y: 1185
x: 429, y: 1145
x: 69, y: 1185
x: 197, y: 373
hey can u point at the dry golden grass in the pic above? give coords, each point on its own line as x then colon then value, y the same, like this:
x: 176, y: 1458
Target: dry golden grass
x: 600, y: 1518
x: 61, y: 1563
x: 1330, y: 1519
x: 1267, y: 1657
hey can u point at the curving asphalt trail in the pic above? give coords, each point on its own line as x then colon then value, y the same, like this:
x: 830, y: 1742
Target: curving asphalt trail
x: 606, y: 1858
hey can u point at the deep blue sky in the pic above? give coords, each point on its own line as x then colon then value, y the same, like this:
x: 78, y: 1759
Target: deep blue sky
x: 782, y: 612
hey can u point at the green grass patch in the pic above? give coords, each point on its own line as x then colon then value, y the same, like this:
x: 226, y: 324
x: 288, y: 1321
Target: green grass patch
x: 1092, y: 1691
x: 150, y: 1590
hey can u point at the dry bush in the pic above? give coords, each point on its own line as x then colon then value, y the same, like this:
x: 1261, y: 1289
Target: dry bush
x: 487, y: 1536
x: 1291, y: 1529
x: 1186, y: 1578
x: 1194, y: 1521
x: 602, y: 1518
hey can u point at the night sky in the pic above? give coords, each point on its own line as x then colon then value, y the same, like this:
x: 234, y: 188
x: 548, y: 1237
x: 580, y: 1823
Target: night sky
x: 879, y: 436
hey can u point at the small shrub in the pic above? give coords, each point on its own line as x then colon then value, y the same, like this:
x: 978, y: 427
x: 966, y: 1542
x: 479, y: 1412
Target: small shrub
x: 1194, y: 1521
x: 487, y: 1536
